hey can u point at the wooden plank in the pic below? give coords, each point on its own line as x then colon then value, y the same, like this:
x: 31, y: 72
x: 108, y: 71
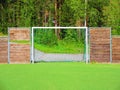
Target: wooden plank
x: 100, y: 44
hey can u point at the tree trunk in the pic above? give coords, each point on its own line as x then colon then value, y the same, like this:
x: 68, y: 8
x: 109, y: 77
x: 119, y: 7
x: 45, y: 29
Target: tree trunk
x: 55, y: 17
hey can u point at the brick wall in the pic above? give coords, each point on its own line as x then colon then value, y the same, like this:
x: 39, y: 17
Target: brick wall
x: 19, y: 53
x: 19, y: 33
x: 3, y: 50
x: 100, y: 44
x: 116, y: 49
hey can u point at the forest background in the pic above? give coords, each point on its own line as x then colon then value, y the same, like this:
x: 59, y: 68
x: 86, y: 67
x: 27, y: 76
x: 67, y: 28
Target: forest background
x: 28, y: 13
x: 47, y: 13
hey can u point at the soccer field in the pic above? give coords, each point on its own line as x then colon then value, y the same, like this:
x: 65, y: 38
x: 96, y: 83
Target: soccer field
x: 60, y: 76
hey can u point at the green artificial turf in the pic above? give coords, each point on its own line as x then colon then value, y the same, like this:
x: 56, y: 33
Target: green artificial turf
x: 60, y: 76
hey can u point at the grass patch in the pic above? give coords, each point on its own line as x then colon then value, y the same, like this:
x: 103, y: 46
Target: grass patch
x: 60, y: 76
x: 1, y: 34
x: 20, y: 41
x: 61, y: 48
x: 116, y: 36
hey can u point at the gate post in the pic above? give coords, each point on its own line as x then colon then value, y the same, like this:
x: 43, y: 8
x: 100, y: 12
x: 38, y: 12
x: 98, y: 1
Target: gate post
x: 86, y: 39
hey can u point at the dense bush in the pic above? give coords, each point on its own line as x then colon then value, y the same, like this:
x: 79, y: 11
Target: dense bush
x: 46, y: 37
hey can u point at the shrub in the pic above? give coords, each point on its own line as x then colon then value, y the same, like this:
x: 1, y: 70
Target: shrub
x: 45, y: 37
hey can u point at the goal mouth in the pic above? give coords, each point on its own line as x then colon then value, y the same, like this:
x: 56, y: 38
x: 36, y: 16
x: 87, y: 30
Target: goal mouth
x: 50, y: 41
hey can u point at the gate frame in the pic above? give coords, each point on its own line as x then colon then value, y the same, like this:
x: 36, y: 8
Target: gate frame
x: 86, y: 39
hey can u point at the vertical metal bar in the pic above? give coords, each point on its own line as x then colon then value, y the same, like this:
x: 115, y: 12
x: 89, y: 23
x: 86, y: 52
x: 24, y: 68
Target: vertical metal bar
x: 89, y: 44
x: 86, y: 45
x: 30, y: 41
x: 110, y: 46
x: 85, y: 23
x: 32, y: 45
x: 8, y: 45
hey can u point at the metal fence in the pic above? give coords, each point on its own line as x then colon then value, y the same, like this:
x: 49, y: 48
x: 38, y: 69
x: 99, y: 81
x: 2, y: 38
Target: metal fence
x: 22, y: 46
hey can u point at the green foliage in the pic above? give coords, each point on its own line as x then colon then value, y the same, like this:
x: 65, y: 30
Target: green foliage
x: 70, y: 36
x: 70, y: 42
x: 45, y: 37
x: 112, y: 12
x: 28, y: 13
x: 95, y: 12
x: 1, y: 34
x: 72, y: 11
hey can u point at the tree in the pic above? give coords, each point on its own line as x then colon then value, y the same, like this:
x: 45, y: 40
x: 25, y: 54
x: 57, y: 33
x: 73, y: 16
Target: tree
x: 112, y: 13
x: 28, y: 13
x: 3, y: 20
x: 72, y: 12
x: 95, y: 12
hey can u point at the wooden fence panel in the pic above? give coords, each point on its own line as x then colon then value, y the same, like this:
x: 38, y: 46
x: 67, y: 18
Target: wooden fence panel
x: 100, y: 44
x: 19, y: 47
x: 3, y: 49
x: 116, y: 49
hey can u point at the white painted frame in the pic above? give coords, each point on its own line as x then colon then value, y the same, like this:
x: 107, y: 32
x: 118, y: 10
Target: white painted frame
x: 86, y: 39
